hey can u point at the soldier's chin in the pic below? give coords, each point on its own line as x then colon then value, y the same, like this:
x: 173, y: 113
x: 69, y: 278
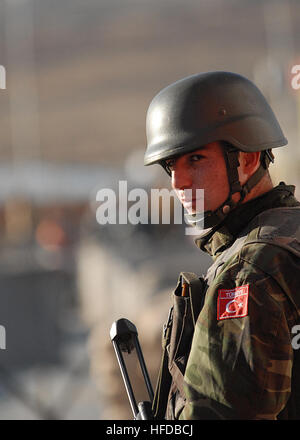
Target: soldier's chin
x: 190, y: 210
x: 192, y: 207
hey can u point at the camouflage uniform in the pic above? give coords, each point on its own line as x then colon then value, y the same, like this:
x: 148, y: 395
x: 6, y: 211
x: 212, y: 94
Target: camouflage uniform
x: 239, y: 362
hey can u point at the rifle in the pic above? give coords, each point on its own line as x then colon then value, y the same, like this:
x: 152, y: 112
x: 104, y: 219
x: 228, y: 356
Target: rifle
x: 124, y: 337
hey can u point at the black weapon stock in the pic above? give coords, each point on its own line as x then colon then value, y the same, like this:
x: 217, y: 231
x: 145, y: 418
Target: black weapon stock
x: 124, y: 337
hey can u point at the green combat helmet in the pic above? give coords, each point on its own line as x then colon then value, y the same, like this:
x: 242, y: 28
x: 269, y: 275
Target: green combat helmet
x: 210, y: 107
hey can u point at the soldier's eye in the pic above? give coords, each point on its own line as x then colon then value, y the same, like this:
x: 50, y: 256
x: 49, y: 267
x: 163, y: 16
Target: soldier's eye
x: 195, y: 157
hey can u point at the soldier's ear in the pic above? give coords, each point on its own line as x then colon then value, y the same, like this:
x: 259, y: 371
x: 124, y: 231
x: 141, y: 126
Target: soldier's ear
x: 249, y: 162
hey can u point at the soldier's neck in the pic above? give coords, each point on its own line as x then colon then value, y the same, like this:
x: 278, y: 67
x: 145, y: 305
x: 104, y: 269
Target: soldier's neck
x: 263, y: 186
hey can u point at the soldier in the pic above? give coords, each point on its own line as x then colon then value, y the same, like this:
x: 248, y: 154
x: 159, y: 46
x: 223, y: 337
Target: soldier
x: 228, y: 351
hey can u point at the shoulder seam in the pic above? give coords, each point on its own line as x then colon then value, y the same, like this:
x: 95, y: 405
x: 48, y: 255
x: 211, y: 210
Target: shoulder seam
x: 272, y: 242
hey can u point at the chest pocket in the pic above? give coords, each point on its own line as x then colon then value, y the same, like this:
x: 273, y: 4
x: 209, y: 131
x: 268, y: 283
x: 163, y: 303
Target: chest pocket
x: 188, y: 299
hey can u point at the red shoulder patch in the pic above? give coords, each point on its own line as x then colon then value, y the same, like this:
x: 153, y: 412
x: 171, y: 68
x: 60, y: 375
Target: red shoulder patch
x: 232, y: 303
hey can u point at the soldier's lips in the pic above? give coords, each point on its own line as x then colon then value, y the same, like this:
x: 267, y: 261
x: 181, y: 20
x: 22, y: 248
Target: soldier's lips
x: 191, y: 204
x: 188, y: 203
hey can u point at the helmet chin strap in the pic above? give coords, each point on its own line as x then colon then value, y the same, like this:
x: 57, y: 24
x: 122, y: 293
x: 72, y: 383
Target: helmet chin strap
x: 209, y: 219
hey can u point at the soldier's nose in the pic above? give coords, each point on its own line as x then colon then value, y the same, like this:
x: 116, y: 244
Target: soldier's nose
x: 181, y: 178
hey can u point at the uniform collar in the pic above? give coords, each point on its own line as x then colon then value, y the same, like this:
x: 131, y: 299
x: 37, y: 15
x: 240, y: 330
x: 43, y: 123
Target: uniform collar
x: 219, y: 238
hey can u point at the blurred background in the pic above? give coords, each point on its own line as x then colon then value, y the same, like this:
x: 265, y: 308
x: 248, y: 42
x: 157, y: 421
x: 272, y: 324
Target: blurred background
x: 80, y: 75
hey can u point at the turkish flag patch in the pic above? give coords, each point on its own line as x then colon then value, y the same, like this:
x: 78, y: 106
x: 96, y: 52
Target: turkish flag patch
x: 232, y: 303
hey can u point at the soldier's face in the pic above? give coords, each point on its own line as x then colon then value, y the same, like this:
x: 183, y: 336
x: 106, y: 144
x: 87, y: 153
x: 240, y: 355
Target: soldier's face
x: 205, y: 169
